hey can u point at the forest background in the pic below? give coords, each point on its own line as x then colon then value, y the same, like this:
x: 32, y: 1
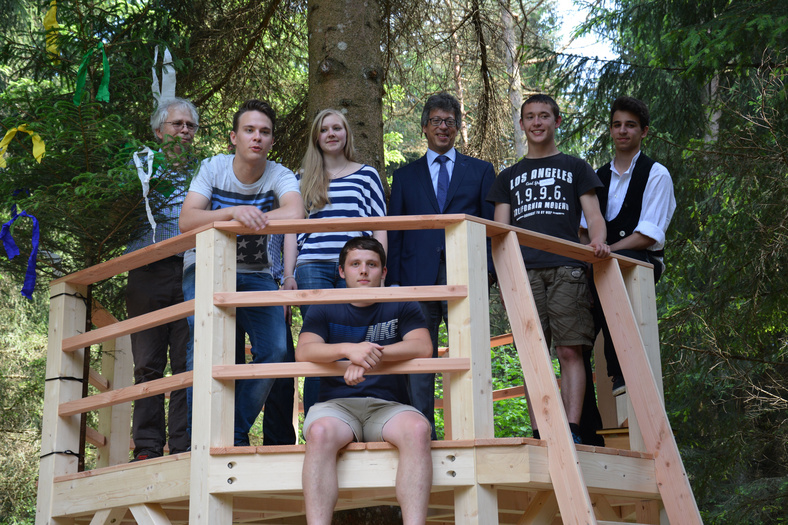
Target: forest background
x: 712, y: 72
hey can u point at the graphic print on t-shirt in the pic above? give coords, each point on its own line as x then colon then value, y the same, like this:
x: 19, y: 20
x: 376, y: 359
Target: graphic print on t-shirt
x: 541, y: 191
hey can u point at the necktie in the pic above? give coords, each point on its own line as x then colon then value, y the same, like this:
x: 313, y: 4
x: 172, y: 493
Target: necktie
x: 443, y: 181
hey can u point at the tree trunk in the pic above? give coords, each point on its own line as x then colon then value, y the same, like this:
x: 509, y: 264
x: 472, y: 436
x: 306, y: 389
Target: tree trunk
x: 511, y: 57
x: 346, y: 71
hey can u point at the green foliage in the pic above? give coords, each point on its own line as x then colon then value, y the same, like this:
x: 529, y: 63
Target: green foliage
x: 23, y: 330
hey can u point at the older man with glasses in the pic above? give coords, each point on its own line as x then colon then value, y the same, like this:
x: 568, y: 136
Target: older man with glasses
x: 442, y: 181
x: 157, y: 285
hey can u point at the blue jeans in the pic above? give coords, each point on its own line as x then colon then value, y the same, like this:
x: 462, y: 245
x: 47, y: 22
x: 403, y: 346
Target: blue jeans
x: 267, y: 333
x: 316, y: 275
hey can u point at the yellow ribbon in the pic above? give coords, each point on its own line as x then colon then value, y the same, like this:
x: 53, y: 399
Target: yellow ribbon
x: 38, y: 145
x: 51, y: 26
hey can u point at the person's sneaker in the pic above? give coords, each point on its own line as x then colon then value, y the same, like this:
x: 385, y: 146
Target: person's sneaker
x: 577, y: 439
x: 145, y: 454
x: 619, y: 386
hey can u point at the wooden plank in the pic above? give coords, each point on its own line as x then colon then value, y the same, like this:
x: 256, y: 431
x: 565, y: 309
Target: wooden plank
x: 540, y: 241
x: 500, y: 340
x: 672, y: 478
x: 109, y: 516
x: 155, y: 480
x: 542, y: 509
x: 264, y: 370
x: 213, y: 401
x: 469, y: 337
x: 604, y: 510
x: 122, y: 366
x: 97, y: 380
x: 186, y: 241
x: 100, y: 316
x: 149, y: 514
x: 547, y: 409
x: 95, y: 438
x: 123, y: 395
x: 67, y: 314
x: 130, y: 326
x: 340, y: 295
x: 135, y: 259
x: 639, y: 282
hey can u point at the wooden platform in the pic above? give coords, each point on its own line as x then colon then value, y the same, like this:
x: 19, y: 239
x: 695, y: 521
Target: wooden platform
x: 476, y: 479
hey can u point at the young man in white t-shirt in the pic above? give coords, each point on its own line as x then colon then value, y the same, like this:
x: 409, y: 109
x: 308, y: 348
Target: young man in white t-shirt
x: 252, y: 189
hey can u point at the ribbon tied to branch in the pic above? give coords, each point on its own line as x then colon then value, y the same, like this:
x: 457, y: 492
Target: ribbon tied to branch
x: 103, y: 91
x: 51, y: 27
x: 12, y: 250
x: 38, y: 144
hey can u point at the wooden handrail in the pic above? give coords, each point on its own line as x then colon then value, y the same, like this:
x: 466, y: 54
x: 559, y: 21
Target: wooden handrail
x: 186, y: 241
x: 251, y: 371
x: 337, y: 368
x: 340, y: 295
x: 129, y: 326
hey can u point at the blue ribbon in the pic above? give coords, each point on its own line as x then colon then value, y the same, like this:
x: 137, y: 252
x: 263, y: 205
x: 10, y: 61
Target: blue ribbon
x: 12, y: 250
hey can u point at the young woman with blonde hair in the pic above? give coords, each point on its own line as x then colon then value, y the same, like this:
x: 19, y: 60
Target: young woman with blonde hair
x: 333, y: 185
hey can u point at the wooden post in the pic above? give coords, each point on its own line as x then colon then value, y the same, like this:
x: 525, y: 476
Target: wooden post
x: 67, y: 314
x: 646, y: 397
x: 213, y: 401
x: 547, y: 409
x: 469, y: 336
x: 114, y: 422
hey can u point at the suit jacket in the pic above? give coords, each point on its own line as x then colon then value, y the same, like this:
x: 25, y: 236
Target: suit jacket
x: 415, y: 255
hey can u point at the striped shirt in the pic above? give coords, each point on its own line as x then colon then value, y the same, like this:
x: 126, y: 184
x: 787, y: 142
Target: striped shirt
x: 217, y: 182
x: 359, y: 194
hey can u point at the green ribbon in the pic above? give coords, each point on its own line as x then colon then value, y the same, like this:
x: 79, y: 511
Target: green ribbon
x: 103, y: 91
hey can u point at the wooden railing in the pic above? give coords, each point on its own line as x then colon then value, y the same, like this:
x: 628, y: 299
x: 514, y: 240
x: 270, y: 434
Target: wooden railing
x: 468, y: 391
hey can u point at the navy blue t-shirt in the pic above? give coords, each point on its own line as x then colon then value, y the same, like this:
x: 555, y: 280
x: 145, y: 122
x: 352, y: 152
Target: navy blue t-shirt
x: 381, y: 323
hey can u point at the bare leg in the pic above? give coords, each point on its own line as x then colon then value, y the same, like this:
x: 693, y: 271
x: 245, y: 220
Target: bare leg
x: 319, y: 477
x: 573, y: 380
x: 410, y: 433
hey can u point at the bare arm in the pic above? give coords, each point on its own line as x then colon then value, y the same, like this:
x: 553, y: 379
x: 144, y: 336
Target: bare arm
x: 312, y: 347
x: 503, y: 213
x: 636, y: 241
x: 597, y: 230
x: 382, y: 237
x: 291, y: 206
x: 290, y: 251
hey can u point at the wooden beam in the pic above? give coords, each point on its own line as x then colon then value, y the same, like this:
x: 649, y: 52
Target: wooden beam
x: 471, y: 410
x: 213, y: 401
x: 99, y: 381
x: 130, y: 326
x: 646, y: 399
x: 265, y: 370
x: 149, y: 514
x: 542, y: 509
x: 115, y: 421
x: 109, y: 516
x: 123, y: 395
x: 67, y: 315
x: 340, y: 295
x: 547, y: 409
x: 124, y: 263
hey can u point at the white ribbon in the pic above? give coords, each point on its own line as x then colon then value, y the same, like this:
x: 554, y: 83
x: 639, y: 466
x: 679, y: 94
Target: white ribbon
x: 145, y: 180
x: 167, y: 90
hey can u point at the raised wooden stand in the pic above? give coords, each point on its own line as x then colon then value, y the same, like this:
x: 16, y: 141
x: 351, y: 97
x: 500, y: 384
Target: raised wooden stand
x: 477, y: 479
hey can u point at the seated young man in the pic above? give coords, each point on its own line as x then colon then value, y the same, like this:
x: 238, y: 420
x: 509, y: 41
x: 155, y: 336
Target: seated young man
x: 360, y: 408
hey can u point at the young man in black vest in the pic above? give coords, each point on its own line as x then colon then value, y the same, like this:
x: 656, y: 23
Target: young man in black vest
x: 637, y: 203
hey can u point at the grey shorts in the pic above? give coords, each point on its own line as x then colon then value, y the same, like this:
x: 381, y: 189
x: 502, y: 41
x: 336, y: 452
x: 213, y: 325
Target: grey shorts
x: 564, y: 304
x: 366, y: 416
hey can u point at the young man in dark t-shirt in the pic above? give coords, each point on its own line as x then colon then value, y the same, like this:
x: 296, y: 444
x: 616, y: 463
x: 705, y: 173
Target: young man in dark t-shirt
x: 545, y: 192
x: 360, y: 408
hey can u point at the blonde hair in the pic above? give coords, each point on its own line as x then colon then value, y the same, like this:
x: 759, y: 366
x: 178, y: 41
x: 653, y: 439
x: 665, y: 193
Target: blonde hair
x: 314, y: 178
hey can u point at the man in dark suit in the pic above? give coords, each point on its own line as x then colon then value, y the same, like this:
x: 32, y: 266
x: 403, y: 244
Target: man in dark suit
x: 442, y: 181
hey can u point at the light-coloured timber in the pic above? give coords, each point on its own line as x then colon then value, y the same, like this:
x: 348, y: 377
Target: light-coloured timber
x: 477, y: 479
x: 342, y: 295
x: 129, y: 326
x: 650, y: 412
x: 548, y: 409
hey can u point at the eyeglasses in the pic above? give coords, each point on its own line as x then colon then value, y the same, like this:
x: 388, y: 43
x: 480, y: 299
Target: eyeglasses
x: 450, y: 122
x: 178, y: 124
